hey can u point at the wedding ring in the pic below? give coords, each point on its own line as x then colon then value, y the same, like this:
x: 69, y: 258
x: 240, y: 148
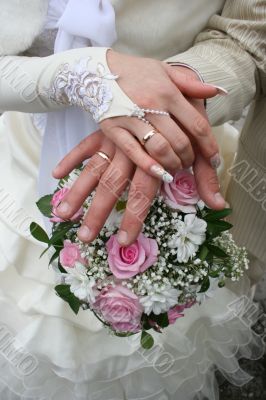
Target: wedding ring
x: 148, y: 136
x: 103, y: 155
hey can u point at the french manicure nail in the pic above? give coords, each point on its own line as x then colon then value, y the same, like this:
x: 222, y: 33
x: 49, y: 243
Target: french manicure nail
x: 162, y: 173
x: 122, y: 237
x: 84, y: 233
x: 221, y: 90
x: 63, y: 208
x: 219, y: 198
x: 215, y: 161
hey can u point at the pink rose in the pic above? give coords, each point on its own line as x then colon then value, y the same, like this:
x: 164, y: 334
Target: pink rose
x: 175, y: 313
x: 125, y: 262
x: 70, y: 254
x: 56, y: 200
x: 181, y: 194
x: 120, y: 308
x: 190, y: 304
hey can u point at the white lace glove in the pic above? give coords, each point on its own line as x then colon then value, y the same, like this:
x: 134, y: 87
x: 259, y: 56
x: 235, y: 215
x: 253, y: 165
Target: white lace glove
x: 79, y: 77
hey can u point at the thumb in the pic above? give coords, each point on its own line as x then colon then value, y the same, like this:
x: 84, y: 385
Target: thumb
x: 207, y: 183
x: 189, y: 84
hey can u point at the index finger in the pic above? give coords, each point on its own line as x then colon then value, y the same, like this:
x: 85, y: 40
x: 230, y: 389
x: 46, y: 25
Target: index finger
x: 84, y: 150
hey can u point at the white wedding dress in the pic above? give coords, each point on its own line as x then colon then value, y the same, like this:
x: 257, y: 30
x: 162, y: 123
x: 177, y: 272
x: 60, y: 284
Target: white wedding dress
x: 48, y: 353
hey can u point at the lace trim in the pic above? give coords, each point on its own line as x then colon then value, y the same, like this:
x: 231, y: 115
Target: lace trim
x: 83, y: 85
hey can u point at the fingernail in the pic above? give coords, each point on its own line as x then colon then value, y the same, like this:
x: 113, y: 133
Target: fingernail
x: 84, y: 233
x: 215, y: 161
x: 221, y: 90
x: 64, y: 208
x: 162, y: 174
x: 122, y: 237
x: 219, y: 198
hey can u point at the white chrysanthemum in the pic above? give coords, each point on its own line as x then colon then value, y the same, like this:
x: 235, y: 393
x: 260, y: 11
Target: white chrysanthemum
x: 201, y: 204
x: 82, y: 286
x: 209, y: 294
x: 160, y: 302
x: 191, y: 233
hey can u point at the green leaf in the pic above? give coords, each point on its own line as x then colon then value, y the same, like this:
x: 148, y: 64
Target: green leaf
x: 205, y: 285
x: 60, y: 233
x: 61, y: 269
x: 38, y: 233
x: 121, y: 205
x: 44, y: 251
x: 214, y: 274
x: 147, y: 340
x: 44, y: 205
x: 217, y: 251
x: 54, y: 256
x: 162, y: 319
x: 203, y: 253
x: 64, y: 292
x: 217, y: 227
x: 217, y: 215
x: 124, y: 334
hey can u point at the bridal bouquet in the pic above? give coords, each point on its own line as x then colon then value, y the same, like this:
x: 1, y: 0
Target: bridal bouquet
x: 182, y: 256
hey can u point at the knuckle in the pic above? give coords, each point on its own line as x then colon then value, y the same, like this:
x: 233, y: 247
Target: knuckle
x: 146, y: 101
x: 164, y: 91
x: 138, y: 191
x: 183, y: 145
x: 130, y: 148
x: 107, y: 124
x: 83, y: 145
x: 106, y: 184
x: 213, y: 181
x: 139, y: 202
x: 201, y: 127
x: 93, y: 167
x: 112, y: 182
x: 162, y: 148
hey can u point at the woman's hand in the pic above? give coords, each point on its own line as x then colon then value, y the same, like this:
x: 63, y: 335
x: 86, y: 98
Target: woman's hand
x: 153, y: 84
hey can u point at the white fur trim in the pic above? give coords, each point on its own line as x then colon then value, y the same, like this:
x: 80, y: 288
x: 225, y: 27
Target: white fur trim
x: 20, y: 22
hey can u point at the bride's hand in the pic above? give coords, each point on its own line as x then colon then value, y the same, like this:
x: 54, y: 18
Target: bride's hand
x: 153, y: 84
x: 111, y: 179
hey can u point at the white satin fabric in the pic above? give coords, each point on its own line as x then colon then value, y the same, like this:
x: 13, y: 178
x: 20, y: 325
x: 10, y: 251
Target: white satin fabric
x: 80, y: 23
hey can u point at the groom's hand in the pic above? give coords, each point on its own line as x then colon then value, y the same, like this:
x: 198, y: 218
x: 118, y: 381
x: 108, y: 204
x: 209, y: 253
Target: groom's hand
x: 143, y: 189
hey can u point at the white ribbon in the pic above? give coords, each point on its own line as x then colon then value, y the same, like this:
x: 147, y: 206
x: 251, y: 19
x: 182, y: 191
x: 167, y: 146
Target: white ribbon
x: 80, y: 23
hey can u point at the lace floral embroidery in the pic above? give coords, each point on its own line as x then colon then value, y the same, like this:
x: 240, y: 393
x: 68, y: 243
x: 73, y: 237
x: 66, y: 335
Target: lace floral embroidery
x: 84, y: 86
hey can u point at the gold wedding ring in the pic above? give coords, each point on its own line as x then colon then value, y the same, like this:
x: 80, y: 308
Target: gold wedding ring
x: 103, y: 155
x: 148, y: 136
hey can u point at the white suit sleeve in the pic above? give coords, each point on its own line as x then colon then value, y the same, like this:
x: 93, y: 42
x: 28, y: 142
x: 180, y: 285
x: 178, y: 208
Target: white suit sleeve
x: 78, y: 77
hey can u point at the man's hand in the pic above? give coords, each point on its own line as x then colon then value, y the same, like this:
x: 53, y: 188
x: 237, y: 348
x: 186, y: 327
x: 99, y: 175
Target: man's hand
x: 112, y: 179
